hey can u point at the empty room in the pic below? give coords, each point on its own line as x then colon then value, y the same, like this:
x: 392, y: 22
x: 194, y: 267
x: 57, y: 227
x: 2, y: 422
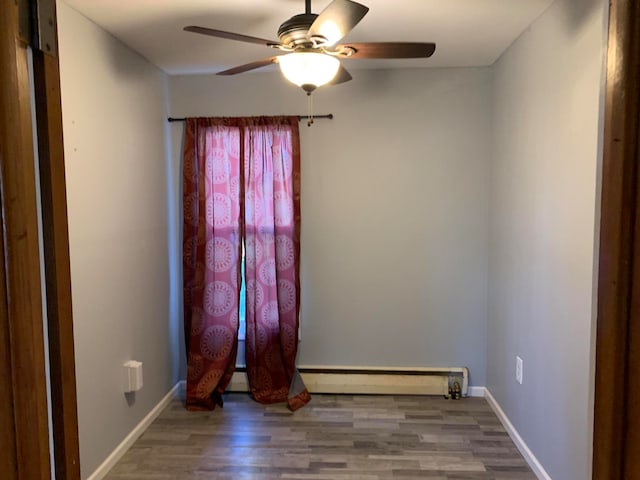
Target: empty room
x: 324, y: 240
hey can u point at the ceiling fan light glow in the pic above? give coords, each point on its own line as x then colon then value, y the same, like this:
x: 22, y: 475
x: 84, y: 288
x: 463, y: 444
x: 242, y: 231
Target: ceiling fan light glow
x: 331, y: 31
x: 308, y: 68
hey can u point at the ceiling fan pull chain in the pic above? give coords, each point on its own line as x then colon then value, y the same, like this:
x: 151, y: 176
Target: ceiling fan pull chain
x: 310, y: 109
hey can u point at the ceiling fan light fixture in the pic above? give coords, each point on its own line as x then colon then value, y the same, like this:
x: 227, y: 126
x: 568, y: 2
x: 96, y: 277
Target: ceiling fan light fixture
x: 309, y: 70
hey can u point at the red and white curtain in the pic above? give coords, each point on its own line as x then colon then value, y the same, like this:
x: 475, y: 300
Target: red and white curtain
x: 242, y: 184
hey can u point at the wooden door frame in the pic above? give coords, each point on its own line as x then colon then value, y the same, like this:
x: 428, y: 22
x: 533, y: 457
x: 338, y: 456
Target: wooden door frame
x: 57, y: 265
x: 24, y: 413
x: 616, y: 444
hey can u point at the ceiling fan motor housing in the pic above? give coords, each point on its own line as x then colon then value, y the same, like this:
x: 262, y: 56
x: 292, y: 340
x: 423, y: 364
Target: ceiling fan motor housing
x: 293, y: 32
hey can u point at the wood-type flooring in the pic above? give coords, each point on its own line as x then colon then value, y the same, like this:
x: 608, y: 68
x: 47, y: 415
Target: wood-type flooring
x: 335, y: 437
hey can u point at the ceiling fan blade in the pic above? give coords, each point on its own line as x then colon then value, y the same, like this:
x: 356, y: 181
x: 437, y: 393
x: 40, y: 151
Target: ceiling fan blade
x: 229, y: 35
x: 338, y: 19
x: 249, y: 66
x: 341, y: 77
x: 390, y: 50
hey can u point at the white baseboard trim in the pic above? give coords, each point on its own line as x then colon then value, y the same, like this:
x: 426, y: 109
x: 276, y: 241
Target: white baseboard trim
x: 139, y: 429
x: 528, y: 455
x: 479, y: 392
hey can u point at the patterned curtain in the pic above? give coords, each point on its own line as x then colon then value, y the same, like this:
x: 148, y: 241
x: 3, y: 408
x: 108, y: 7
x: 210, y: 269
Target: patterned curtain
x: 272, y: 249
x: 231, y: 166
x: 211, y: 250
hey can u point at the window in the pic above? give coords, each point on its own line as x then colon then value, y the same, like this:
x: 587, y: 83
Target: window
x: 242, y: 307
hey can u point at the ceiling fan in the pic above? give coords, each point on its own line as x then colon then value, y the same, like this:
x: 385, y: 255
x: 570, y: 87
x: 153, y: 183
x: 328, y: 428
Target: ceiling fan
x: 310, y: 42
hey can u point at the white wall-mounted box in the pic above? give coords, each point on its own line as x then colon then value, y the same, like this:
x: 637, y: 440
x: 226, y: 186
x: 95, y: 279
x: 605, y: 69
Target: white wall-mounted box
x: 132, y: 376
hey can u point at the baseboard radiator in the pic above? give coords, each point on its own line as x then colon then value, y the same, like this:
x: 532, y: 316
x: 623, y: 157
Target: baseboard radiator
x: 373, y: 380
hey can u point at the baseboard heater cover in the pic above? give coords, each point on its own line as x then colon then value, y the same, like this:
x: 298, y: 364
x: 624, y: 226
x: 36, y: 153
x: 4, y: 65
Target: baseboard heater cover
x: 373, y: 380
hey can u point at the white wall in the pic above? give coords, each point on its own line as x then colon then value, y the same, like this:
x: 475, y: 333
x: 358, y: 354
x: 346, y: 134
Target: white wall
x: 543, y: 218
x: 394, y: 210
x: 114, y: 119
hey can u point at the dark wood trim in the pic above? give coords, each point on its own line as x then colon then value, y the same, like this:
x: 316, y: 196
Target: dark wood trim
x: 631, y: 442
x: 8, y: 452
x: 22, y: 288
x: 57, y: 270
x: 619, y: 249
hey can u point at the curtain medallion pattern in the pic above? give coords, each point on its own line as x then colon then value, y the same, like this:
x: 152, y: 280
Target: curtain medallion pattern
x: 241, y: 183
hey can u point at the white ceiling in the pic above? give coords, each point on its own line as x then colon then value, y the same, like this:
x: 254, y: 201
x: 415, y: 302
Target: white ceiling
x: 467, y: 32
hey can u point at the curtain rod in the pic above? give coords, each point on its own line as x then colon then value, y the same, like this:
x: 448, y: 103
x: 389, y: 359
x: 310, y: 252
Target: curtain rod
x: 300, y: 117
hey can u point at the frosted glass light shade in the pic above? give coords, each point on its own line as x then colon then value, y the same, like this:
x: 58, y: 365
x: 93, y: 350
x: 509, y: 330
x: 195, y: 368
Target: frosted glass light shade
x: 309, y: 68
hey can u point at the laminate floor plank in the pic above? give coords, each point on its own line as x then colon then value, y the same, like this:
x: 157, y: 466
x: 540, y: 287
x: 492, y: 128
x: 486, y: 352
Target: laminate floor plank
x: 335, y: 437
